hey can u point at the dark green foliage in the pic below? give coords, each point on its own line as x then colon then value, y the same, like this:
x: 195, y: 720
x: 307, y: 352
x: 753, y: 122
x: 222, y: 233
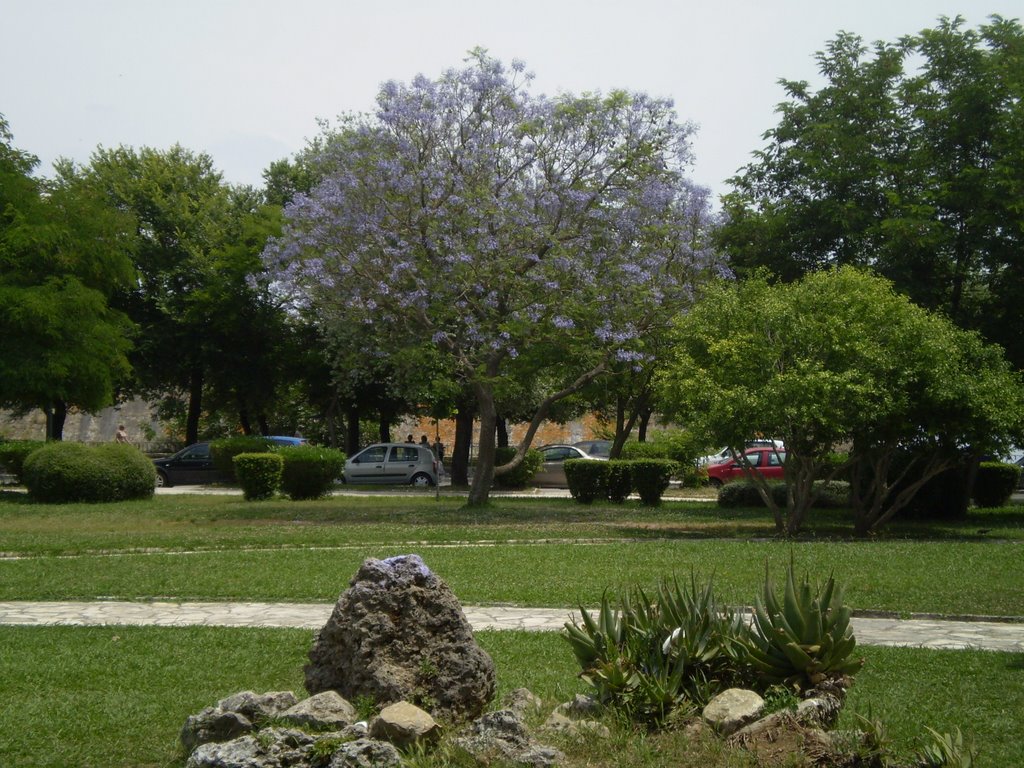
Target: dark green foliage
x: 223, y: 452
x: 309, y: 471
x: 651, y: 478
x: 587, y: 478
x: 943, y: 497
x: 634, y: 450
x: 619, y: 480
x: 995, y: 483
x: 259, y: 474
x: 71, y: 472
x: 14, y: 452
x: 833, y: 494
x: 521, y: 476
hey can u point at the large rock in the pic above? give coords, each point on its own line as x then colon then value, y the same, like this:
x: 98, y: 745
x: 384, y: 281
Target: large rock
x: 271, y: 748
x: 322, y: 711
x: 234, y: 716
x: 399, y: 634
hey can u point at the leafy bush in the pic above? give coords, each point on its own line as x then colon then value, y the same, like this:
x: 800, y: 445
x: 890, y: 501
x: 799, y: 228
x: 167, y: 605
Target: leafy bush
x: 995, y: 483
x: 14, y: 452
x: 71, y: 472
x: 521, y: 476
x: 651, y: 478
x: 309, y: 471
x: 804, y: 640
x: 648, y: 656
x: 259, y: 474
x: 633, y: 450
x: 943, y: 497
x: 678, y: 445
x: 223, y: 452
x: 587, y: 479
x: 619, y: 480
x: 832, y: 494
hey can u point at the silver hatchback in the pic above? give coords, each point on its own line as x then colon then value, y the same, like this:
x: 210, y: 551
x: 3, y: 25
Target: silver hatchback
x: 402, y: 463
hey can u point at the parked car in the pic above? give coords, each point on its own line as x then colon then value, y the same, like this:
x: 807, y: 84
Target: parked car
x: 768, y: 461
x: 192, y: 465
x: 552, y: 470
x: 286, y: 440
x: 596, y: 449
x: 393, y: 463
x: 725, y: 455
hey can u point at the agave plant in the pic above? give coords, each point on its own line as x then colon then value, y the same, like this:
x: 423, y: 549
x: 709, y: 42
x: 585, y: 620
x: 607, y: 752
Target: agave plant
x: 648, y: 655
x: 804, y: 640
x: 947, y: 750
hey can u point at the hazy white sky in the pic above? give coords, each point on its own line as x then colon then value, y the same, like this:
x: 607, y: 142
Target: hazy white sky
x: 245, y: 80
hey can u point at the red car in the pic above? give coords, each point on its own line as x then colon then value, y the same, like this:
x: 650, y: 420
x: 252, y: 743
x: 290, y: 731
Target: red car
x: 767, y: 461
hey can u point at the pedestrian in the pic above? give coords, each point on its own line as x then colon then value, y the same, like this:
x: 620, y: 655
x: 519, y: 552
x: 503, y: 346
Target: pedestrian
x: 439, y: 449
x: 121, y: 436
x: 424, y: 442
x: 410, y: 439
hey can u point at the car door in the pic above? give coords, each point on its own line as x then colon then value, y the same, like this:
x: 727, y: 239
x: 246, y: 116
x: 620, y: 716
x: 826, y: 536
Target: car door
x: 552, y: 468
x: 735, y: 471
x: 192, y: 466
x: 367, y: 466
x: 402, y: 463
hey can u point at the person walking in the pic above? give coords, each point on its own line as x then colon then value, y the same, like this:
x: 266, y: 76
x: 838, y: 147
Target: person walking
x: 121, y: 436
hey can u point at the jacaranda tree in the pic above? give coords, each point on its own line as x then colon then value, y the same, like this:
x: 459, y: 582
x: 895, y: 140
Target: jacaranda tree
x: 510, y: 232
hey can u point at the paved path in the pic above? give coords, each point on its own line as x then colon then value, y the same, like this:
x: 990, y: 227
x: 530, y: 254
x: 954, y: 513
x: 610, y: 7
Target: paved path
x: 923, y: 633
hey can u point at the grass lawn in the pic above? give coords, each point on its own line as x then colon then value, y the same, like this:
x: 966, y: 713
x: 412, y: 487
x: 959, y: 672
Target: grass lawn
x: 117, y: 696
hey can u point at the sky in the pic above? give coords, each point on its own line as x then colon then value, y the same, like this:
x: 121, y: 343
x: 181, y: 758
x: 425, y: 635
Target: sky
x: 247, y: 80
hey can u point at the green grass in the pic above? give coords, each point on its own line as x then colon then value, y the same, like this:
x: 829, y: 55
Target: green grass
x: 118, y: 696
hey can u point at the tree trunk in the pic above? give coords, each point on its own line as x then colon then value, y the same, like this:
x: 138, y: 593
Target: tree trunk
x: 463, y: 442
x: 352, y: 431
x: 243, y: 420
x: 502, y: 432
x: 644, y: 422
x: 384, y: 430
x: 195, y: 405
x: 483, y: 476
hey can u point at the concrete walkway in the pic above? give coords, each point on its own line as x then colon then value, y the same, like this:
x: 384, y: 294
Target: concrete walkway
x: 921, y: 633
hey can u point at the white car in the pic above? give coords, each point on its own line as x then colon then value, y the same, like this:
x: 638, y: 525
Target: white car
x: 725, y: 455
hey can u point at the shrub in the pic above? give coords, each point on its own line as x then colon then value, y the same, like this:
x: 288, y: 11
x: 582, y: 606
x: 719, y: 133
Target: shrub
x: 619, y: 480
x: 995, y: 483
x: 521, y: 476
x: 651, y: 478
x: 309, y: 471
x: 70, y: 472
x: 223, y: 452
x: 832, y: 494
x: 943, y: 497
x: 633, y: 450
x: 259, y: 474
x: 587, y: 479
x: 648, y: 655
x: 677, y: 445
x: 14, y: 452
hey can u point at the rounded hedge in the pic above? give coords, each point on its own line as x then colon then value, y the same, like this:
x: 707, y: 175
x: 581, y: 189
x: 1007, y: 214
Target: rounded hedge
x: 651, y: 478
x: 14, y: 452
x: 309, y: 471
x: 521, y: 476
x: 587, y: 479
x: 223, y: 452
x: 259, y: 474
x: 995, y: 483
x: 61, y: 473
x: 619, y: 480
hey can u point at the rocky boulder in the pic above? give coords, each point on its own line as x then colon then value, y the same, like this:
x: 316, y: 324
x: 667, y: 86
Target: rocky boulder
x: 398, y: 633
x: 501, y: 737
x: 732, y: 709
x: 404, y: 724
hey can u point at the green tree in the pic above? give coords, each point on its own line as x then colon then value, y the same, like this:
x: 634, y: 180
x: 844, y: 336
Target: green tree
x: 62, y: 252
x: 833, y: 359
x: 907, y: 160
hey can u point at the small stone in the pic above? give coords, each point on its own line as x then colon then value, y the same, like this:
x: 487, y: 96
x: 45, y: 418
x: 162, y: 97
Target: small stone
x: 732, y: 709
x: 366, y: 753
x: 404, y: 724
x: 213, y: 725
x: 522, y: 702
x: 258, y: 706
x: 324, y: 710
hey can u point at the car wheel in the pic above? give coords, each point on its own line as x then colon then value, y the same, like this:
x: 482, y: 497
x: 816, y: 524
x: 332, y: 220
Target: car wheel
x: 714, y: 482
x: 421, y: 480
x: 161, y: 480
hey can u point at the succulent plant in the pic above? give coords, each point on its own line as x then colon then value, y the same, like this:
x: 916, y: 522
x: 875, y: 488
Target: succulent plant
x: 804, y: 640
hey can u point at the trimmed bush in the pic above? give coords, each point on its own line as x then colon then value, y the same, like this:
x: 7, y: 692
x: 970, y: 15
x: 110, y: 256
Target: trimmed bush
x: 587, y: 479
x: 14, y: 452
x: 834, y: 494
x: 60, y: 473
x: 995, y: 483
x: 223, y: 452
x: 309, y: 471
x: 259, y: 474
x: 651, y: 478
x: 521, y: 476
x: 619, y: 480
x: 677, y: 445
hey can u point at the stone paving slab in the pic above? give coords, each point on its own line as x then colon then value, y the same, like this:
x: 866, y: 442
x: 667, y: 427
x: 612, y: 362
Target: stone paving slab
x: 920, y: 633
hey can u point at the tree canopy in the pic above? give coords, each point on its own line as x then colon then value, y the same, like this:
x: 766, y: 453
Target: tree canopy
x: 908, y: 159
x: 839, y: 358
x: 508, y: 232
